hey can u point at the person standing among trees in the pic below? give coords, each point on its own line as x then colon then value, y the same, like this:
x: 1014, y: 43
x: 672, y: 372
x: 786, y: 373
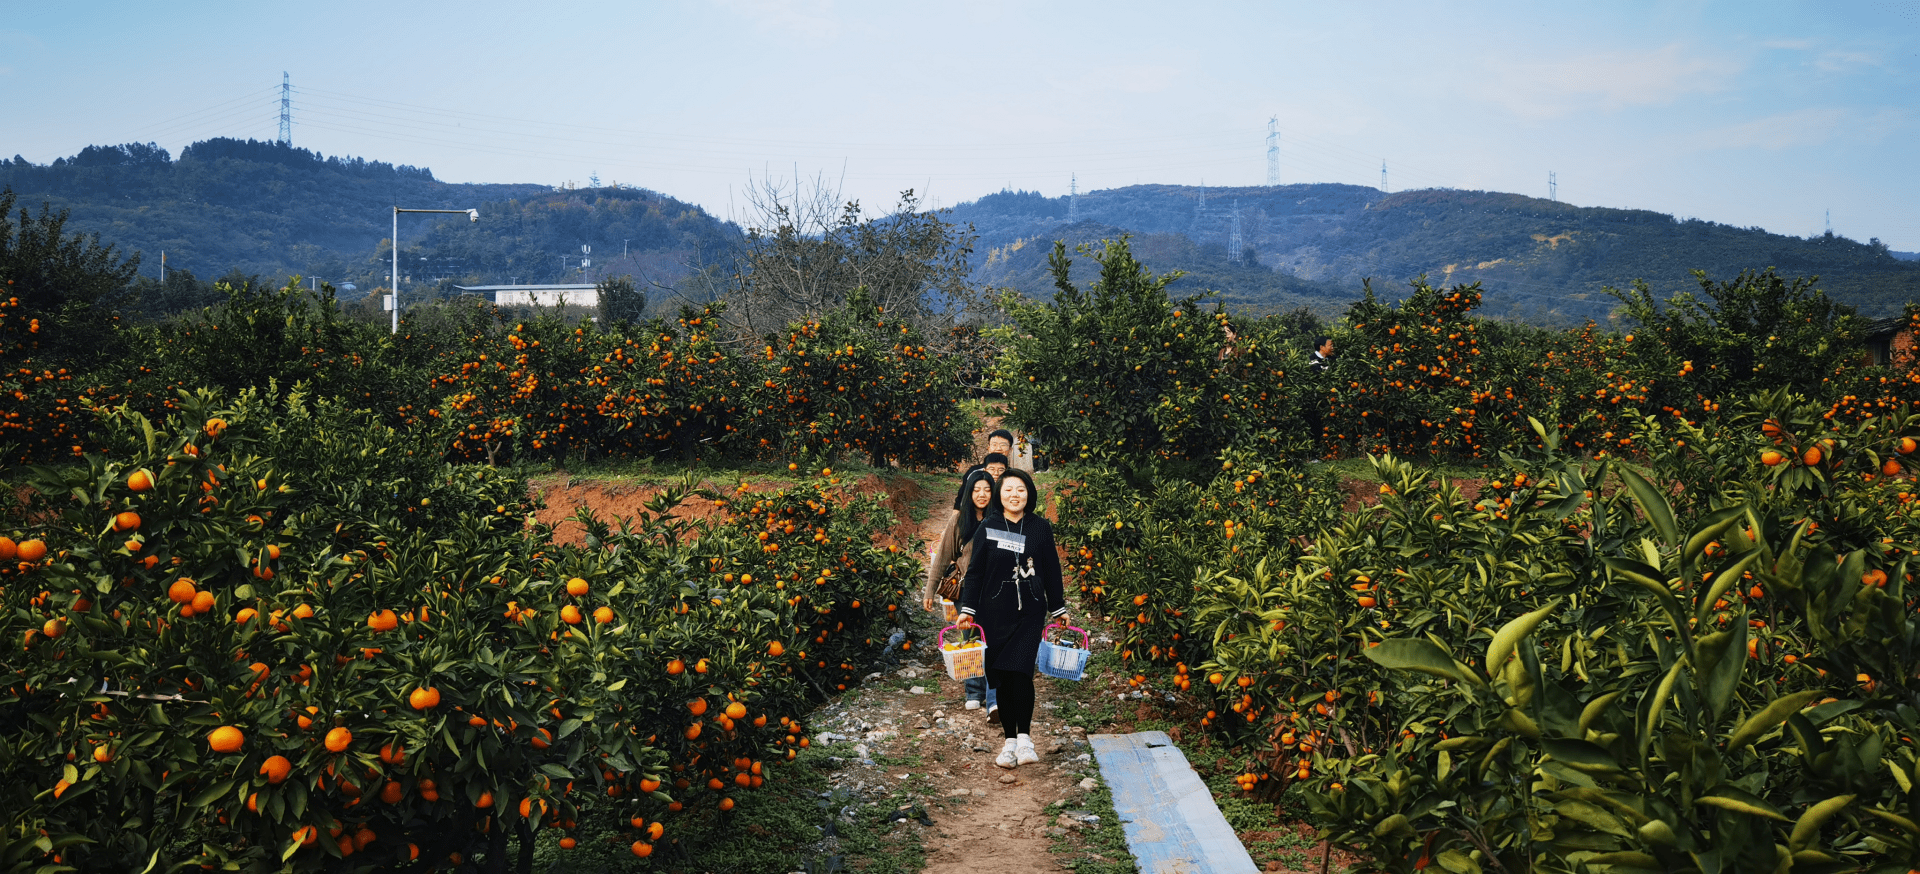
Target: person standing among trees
x: 948, y: 569
x: 1318, y: 364
x: 1013, y: 590
x: 1000, y: 443
x: 1322, y: 354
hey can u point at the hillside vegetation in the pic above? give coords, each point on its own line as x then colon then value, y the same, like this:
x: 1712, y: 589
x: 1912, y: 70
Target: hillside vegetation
x: 270, y: 210
x: 1536, y: 259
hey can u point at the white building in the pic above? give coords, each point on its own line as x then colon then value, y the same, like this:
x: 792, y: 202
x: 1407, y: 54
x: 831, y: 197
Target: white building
x: 537, y: 295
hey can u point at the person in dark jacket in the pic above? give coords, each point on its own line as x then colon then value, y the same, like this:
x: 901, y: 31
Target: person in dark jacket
x: 1012, y: 591
x: 950, y: 556
x: 999, y: 451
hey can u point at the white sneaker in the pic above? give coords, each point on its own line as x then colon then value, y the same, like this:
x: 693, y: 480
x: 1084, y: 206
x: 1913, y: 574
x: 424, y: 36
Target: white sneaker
x: 1024, y: 753
x: 1008, y: 758
x: 993, y: 715
x: 972, y: 704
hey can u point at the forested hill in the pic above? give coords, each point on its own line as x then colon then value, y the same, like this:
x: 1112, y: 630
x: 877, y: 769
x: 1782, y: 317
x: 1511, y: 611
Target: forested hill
x: 273, y: 210
x: 1539, y: 260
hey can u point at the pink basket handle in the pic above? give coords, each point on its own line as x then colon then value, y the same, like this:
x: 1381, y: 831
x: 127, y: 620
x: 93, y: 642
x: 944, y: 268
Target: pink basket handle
x: 976, y: 627
x: 1086, y: 642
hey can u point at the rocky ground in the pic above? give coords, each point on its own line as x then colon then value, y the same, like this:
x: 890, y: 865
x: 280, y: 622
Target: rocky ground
x: 905, y: 738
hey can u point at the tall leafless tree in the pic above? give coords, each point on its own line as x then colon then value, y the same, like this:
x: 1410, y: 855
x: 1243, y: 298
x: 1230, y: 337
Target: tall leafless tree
x: 805, y: 250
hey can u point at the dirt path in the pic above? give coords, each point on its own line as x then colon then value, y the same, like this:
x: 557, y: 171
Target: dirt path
x: 917, y: 731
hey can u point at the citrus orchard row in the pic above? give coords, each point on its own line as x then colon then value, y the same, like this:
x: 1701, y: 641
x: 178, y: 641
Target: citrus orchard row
x: 851, y: 381
x: 1123, y: 374
x: 226, y: 659
x: 1583, y: 664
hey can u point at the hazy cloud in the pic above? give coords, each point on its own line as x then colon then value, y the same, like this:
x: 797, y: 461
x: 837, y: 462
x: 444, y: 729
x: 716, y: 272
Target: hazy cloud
x: 1605, y: 80
x: 1847, y: 61
x: 811, y: 19
x: 1812, y: 126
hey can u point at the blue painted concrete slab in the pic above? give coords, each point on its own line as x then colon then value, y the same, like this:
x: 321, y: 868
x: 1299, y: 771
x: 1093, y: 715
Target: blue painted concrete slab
x: 1172, y: 824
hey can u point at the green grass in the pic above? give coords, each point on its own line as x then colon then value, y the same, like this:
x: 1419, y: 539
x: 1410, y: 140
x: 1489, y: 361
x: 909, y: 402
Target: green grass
x: 1101, y: 849
x: 1361, y: 469
x: 778, y: 828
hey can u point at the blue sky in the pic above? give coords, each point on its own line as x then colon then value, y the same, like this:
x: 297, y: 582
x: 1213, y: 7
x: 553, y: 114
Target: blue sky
x: 1753, y: 113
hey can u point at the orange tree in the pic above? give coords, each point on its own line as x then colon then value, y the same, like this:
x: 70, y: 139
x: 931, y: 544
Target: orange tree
x: 58, y: 325
x: 856, y: 380
x: 668, y: 386
x: 519, y: 391
x: 347, y: 656
x: 1154, y: 563
x: 1122, y: 374
x: 1584, y: 664
x: 1425, y: 377
x: 1758, y: 331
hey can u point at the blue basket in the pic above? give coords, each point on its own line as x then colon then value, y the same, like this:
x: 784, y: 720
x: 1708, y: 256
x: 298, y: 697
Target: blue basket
x: 1063, y: 661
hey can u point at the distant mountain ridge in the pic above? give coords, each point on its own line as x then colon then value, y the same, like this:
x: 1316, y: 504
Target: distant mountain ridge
x: 1538, y: 259
x: 274, y: 210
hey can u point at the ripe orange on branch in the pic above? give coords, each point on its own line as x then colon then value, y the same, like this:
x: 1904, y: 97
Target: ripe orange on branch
x: 225, y: 739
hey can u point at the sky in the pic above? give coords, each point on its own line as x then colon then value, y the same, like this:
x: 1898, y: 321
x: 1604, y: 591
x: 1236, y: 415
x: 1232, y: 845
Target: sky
x: 1759, y: 113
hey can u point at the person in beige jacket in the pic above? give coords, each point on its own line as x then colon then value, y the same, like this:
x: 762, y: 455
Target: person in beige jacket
x: 949, y: 561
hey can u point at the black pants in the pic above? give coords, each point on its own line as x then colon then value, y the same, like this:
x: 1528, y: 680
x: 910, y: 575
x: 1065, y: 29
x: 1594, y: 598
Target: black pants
x: 1015, y: 694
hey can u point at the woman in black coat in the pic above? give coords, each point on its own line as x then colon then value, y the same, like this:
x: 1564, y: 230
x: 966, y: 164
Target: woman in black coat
x: 1013, y: 590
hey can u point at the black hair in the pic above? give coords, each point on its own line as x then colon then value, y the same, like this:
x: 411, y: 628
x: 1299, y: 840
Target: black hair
x: 1320, y: 340
x: 967, y: 521
x: 1033, y: 492
x: 1000, y: 432
x: 993, y: 457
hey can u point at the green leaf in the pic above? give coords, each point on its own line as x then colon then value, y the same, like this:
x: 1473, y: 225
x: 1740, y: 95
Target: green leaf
x: 1628, y: 858
x: 1657, y: 706
x: 1642, y: 575
x: 1458, y: 862
x: 1653, y: 504
x: 1740, y: 801
x: 1769, y: 716
x: 211, y: 794
x: 1905, y: 824
x: 1721, y: 662
x: 1406, y: 654
x: 568, y: 727
x: 1698, y: 542
x: 1808, y: 826
x: 1595, y: 707
x: 1721, y: 584
x: 1511, y: 634
x: 1592, y: 815
x: 1392, y: 824
x: 1580, y: 755
x: 1812, y: 745
x: 1822, y: 714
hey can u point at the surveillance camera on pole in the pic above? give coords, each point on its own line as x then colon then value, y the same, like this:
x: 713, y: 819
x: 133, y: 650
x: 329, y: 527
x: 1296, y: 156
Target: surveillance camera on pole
x: 393, y: 283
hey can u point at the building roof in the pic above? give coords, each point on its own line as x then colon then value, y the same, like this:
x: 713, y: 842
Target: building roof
x: 490, y: 288
x: 1884, y: 327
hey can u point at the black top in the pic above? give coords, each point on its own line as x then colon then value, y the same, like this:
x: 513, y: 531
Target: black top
x: 1012, y: 594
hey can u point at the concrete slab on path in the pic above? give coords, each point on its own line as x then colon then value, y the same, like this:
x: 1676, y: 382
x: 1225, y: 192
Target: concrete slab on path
x: 1172, y: 824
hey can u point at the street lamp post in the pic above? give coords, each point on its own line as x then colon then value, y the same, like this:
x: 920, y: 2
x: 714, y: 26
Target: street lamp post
x: 393, y: 284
